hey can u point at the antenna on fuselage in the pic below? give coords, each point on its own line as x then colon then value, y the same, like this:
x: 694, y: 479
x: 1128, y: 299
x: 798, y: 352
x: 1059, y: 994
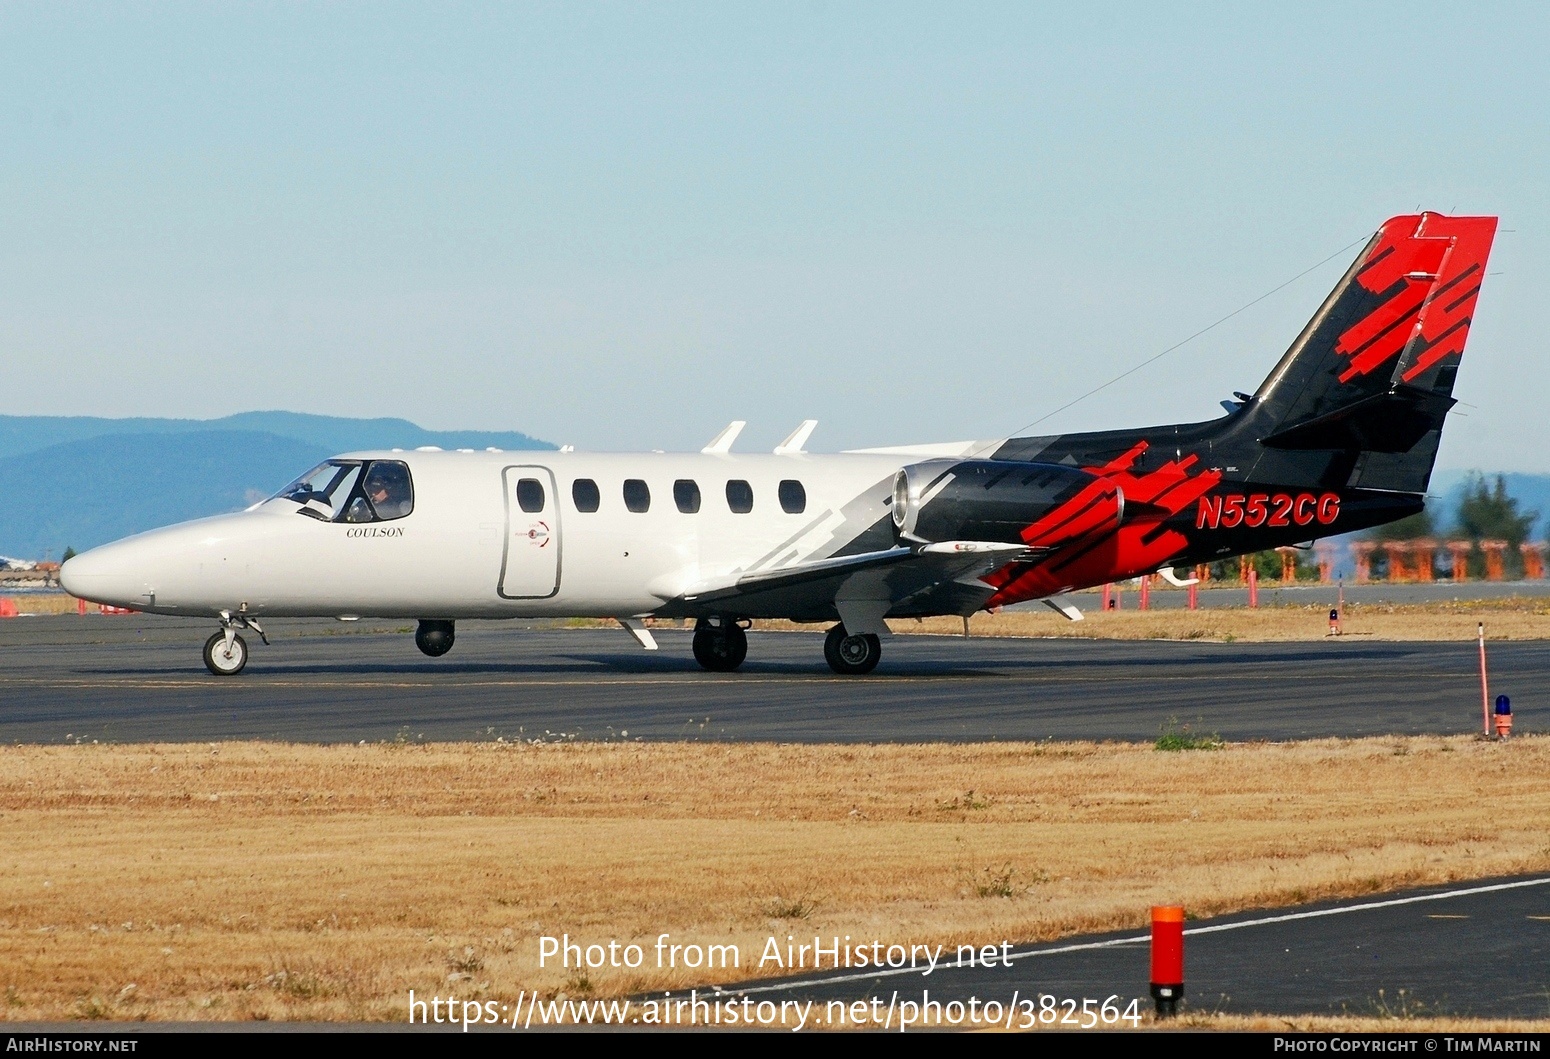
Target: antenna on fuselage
x: 792, y: 446
x: 722, y: 442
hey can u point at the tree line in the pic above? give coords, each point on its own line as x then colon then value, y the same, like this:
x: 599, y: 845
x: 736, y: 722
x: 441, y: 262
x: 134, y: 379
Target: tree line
x: 1485, y: 511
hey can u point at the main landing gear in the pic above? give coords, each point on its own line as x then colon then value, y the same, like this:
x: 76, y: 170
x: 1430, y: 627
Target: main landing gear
x: 851, y: 655
x: 226, y: 653
x: 720, y: 644
x: 434, y: 637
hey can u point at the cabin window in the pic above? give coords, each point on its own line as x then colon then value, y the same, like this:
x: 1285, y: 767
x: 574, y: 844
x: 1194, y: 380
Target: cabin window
x: 530, y: 495
x: 686, y: 494
x: 637, y: 495
x: 584, y: 494
x: 353, y: 491
x: 793, y: 498
x: 739, y: 496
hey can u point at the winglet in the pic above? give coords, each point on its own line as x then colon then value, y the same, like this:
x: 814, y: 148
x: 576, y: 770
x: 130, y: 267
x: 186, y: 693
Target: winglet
x: 722, y: 442
x: 792, y: 446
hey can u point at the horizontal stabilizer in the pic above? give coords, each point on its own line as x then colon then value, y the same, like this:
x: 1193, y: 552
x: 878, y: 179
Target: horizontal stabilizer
x: 1392, y: 421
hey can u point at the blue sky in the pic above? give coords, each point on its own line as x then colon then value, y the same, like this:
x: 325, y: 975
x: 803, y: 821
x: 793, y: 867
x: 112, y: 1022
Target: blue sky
x: 620, y: 226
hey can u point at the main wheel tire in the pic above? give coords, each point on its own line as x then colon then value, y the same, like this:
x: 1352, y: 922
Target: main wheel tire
x: 851, y: 655
x: 434, y: 638
x: 223, y: 660
x: 719, y: 648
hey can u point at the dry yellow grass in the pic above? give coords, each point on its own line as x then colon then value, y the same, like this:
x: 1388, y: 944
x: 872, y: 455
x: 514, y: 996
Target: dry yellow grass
x: 1512, y: 618
x: 1519, y: 618
x: 48, y: 603
x: 277, y: 881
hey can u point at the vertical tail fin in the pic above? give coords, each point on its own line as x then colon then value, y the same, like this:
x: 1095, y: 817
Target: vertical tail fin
x: 1373, y: 371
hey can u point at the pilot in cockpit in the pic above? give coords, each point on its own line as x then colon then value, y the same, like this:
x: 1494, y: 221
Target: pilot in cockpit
x: 387, y: 484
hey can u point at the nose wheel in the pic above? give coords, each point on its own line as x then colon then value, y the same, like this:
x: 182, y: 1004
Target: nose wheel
x: 720, y: 646
x: 226, y: 653
x: 851, y: 655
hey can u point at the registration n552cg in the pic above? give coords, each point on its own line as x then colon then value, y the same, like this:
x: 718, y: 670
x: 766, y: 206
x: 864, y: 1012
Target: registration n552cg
x: 1230, y: 510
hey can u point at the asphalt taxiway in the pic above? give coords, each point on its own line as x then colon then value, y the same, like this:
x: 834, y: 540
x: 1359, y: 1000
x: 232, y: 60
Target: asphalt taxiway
x: 139, y: 678
x: 1478, y: 949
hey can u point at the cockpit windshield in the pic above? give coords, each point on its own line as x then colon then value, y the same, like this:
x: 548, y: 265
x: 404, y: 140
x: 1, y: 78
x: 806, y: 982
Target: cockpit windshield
x: 353, y: 491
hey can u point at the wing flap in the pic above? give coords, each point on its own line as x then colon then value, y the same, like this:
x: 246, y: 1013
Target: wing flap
x: 905, y: 571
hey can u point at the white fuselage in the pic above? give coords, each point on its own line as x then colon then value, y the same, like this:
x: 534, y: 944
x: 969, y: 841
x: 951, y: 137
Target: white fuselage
x: 469, y: 550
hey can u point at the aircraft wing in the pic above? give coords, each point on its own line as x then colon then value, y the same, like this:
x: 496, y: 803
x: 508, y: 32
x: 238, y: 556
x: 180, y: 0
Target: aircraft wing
x: 740, y: 584
x: 864, y: 587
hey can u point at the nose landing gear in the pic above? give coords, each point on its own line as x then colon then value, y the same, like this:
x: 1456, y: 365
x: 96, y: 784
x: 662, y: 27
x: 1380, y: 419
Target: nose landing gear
x: 226, y: 653
x: 434, y: 637
x: 719, y: 647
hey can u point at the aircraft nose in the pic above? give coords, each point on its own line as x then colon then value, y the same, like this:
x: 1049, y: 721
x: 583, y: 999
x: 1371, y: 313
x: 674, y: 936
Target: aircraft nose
x: 109, y: 574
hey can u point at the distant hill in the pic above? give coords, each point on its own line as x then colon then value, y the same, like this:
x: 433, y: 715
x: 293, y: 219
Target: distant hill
x: 80, y: 482
x: 20, y: 434
x: 85, y: 493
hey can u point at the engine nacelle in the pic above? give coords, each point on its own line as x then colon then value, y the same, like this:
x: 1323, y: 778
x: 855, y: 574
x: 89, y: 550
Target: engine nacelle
x: 1042, y: 505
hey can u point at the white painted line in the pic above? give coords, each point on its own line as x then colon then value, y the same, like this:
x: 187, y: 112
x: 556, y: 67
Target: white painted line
x: 1369, y: 905
x: 1140, y: 938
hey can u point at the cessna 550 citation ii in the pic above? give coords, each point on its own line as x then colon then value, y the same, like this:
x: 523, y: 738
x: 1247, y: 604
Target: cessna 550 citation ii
x: 1341, y: 436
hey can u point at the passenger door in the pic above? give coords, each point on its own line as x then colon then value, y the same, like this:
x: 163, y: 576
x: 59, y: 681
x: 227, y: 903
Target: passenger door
x: 530, y: 561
